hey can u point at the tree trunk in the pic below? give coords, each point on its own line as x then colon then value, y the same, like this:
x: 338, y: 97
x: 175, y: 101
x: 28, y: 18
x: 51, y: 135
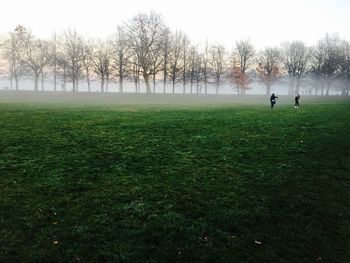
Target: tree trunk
x: 36, y: 81
x: 73, y: 80
x: 121, y: 84
x: 217, y: 86
x: 164, y: 80
x: 11, y: 81
x: 42, y: 81
x: 54, y: 79
x: 268, y: 89
x: 16, y: 83
x: 88, y: 81
x: 148, y: 87
x: 102, y: 83
x: 154, y: 83
x: 328, y: 86
x: 291, y: 84
x: 64, y: 78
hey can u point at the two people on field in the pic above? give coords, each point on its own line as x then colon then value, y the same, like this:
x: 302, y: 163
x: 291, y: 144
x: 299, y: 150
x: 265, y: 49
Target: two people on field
x: 274, y: 97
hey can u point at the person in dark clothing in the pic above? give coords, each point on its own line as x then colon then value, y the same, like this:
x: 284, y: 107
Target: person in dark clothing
x: 273, y: 100
x: 297, y: 99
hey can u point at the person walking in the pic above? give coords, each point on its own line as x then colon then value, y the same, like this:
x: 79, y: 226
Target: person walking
x: 273, y: 100
x: 297, y: 100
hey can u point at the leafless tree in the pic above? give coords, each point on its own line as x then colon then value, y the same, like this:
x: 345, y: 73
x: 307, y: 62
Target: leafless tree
x: 243, y: 57
x: 185, y: 61
x: 165, y: 50
x: 295, y: 57
x: 345, y: 67
x: 14, y: 51
x: 268, y: 69
x: 145, y: 33
x: 217, y: 63
x: 87, y: 59
x: 327, y: 59
x: 194, y: 68
x: 73, y: 45
x: 54, y: 45
x: 37, y: 57
x: 102, y: 63
x: 205, y: 66
x: 175, y: 56
x: 121, y: 55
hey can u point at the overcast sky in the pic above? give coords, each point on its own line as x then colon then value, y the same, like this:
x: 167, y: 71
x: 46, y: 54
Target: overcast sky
x: 265, y: 22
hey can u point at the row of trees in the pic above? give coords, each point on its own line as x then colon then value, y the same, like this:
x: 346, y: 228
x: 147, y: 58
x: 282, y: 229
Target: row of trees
x: 144, y: 49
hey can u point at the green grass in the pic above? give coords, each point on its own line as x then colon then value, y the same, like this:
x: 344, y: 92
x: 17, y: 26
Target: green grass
x: 127, y: 184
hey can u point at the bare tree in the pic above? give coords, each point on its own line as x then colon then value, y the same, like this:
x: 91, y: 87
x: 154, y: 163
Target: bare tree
x: 295, y: 57
x: 175, y: 56
x: 102, y: 64
x: 53, y: 60
x: 243, y: 58
x: 194, y: 68
x: 345, y: 67
x: 145, y: 33
x: 121, y: 55
x: 268, y: 69
x: 87, y: 60
x: 205, y: 66
x: 165, y: 50
x: 217, y: 62
x: 72, y: 48
x: 185, y: 61
x: 37, y: 57
x: 14, y: 53
x: 327, y: 59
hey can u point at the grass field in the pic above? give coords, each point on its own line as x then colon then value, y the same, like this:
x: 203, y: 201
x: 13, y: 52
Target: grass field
x: 157, y: 184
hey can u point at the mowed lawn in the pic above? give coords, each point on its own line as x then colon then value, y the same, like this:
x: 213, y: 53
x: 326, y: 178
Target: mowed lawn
x: 160, y: 184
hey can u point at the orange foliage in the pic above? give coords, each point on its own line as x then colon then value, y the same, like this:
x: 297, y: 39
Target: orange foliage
x: 239, y: 78
x: 268, y: 75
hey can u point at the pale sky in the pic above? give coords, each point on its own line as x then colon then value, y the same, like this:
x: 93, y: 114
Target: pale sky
x: 265, y: 22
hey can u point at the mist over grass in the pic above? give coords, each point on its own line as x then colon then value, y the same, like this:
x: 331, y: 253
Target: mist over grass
x: 64, y: 99
x: 123, y: 182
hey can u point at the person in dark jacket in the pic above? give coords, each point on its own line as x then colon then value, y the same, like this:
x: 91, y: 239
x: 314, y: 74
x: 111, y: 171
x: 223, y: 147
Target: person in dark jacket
x: 297, y: 100
x: 273, y: 100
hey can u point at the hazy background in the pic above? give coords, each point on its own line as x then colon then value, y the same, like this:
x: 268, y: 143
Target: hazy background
x: 267, y: 22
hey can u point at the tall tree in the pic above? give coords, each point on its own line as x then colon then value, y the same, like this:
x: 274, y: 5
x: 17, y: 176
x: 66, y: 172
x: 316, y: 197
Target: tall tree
x: 327, y: 59
x: 217, y: 61
x: 102, y: 64
x: 37, y: 57
x: 345, y: 67
x: 175, y: 56
x: 145, y: 33
x: 185, y: 61
x: 295, y: 57
x: 121, y: 55
x: 165, y: 54
x: 243, y: 58
x: 87, y: 60
x: 14, y: 53
x: 194, y: 68
x: 205, y: 66
x: 73, y: 45
x: 268, y: 69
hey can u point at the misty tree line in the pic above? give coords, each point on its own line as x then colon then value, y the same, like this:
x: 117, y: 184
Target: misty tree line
x: 144, y: 50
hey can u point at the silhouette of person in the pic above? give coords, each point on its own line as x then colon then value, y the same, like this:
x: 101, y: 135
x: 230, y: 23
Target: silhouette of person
x: 297, y: 100
x: 273, y: 100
